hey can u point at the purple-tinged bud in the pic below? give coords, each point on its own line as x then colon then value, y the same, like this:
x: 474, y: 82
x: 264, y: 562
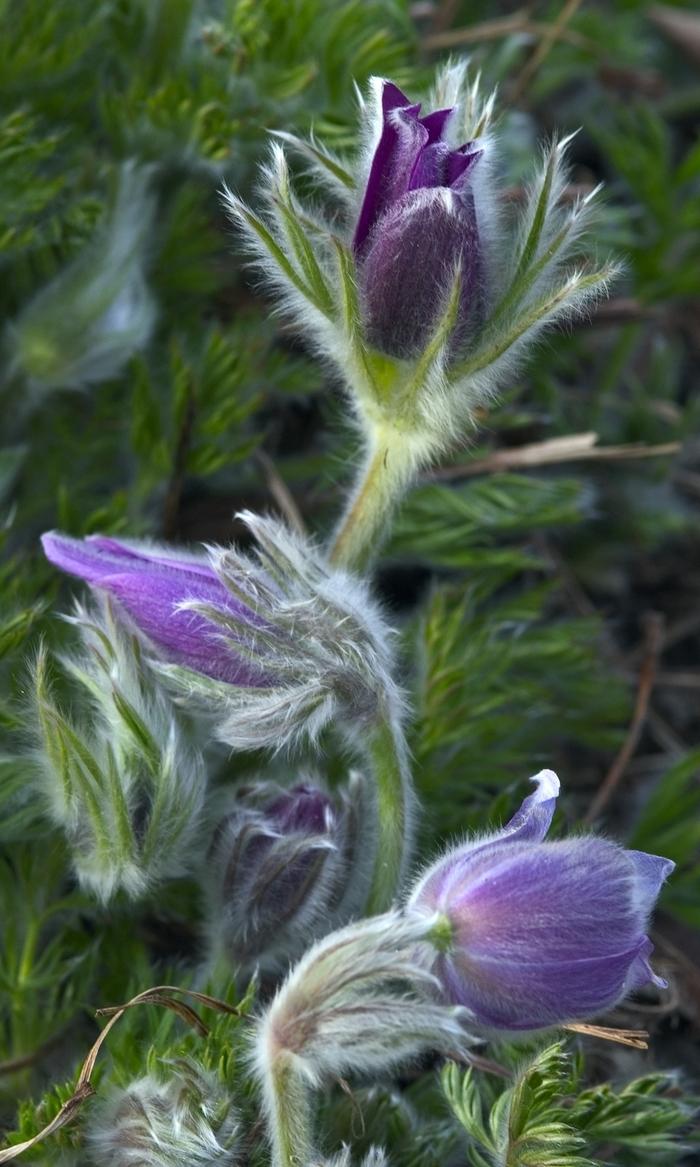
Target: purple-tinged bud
x: 151, y: 585
x: 272, y: 645
x: 284, y: 867
x: 416, y: 229
x: 537, y: 933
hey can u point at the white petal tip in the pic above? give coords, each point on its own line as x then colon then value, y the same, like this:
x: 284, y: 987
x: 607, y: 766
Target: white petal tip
x: 548, y: 784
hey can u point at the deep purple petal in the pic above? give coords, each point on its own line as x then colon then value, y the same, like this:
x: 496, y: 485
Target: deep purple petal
x: 459, y: 867
x: 195, y: 565
x: 407, y: 270
x: 436, y: 123
x: 302, y: 808
x: 431, y: 167
x: 97, y: 556
x: 438, y: 165
x: 394, y: 98
x: 459, y: 165
x: 185, y: 637
x: 402, y: 139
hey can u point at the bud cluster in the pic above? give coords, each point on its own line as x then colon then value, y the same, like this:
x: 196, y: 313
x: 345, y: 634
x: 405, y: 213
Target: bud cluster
x: 423, y: 298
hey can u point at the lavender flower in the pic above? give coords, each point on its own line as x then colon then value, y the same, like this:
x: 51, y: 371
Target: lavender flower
x: 417, y: 230
x: 155, y: 586
x: 272, y: 646
x: 287, y: 865
x: 539, y: 933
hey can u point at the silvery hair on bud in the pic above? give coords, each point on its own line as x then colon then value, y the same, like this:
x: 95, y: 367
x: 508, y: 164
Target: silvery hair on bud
x: 122, y: 780
x: 320, y: 638
x: 375, y: 1157
x: 361, y: 1000
x: 272, y: 890
x: 185, y: 1120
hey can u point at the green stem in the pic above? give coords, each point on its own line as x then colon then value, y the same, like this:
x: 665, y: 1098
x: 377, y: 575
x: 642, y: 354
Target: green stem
x: 382, y: 481
x: 289, y: 1111
x: 395, y: 798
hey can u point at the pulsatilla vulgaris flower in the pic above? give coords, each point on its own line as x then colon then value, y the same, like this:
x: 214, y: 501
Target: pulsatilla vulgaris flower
x: 537, y: 933
x: 272, y: 645
x: 414, y: 284
x: 287, y: 865
x: 417, y: 230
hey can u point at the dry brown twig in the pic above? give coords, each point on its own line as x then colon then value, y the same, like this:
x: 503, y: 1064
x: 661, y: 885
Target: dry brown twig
x: 572, y: 448
x: 280, y: 492
x: 159, y: 995
x: 503, y: 26
x: 653, y: 640
x: 636, y: 1038
x: 544, y: 48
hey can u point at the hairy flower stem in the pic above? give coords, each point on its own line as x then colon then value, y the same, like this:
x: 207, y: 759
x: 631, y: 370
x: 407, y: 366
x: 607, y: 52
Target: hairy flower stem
x: 289, y: 1113
x: 395, y: 798
x: 382, y: 481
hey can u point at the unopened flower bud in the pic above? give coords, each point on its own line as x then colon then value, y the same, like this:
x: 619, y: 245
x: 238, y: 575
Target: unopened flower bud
x: 416, y: 286
x: 361, y: 999
x: 272, y: 645
x: 286, y: 866
x: 185, y: 1118
x: 417, y: 231
x: 122, y: 780
x: 534, y: 933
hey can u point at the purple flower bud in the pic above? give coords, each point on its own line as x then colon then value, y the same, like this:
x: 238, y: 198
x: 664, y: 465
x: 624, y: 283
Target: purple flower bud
x: 270, y: 645
x: 417, y: 225
x: 541, y: 933
x: 151, y: 586
x: 279, y: 871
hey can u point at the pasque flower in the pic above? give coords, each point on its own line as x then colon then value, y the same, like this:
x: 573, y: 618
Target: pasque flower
x: 285, y: 866
x: 537, y: 933
x: 154, y: 586
x: 272, y: 644
x: 417, y: 229
x: 416, y: 286
x: 419, y: 282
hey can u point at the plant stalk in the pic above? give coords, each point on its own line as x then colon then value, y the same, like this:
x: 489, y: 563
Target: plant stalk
x: 289, y: 1113
x: 388, y: 755
x: 381, y: 483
